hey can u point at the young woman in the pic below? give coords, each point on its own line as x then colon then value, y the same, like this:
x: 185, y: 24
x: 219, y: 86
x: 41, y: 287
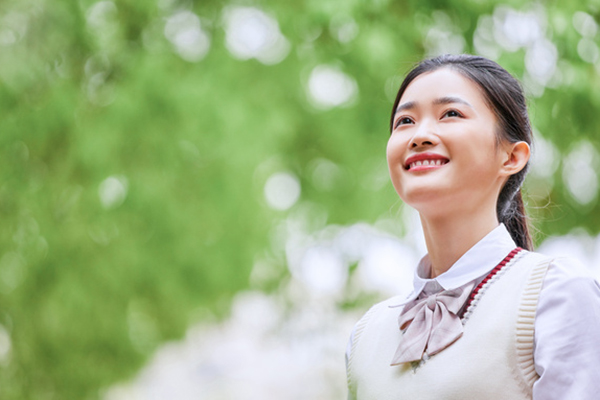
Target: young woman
x: 488, y: 318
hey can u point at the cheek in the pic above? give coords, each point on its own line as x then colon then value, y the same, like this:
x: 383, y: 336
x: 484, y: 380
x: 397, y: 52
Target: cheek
x: 481, y: 160
x: 389, y: 154
x: 395, y: 151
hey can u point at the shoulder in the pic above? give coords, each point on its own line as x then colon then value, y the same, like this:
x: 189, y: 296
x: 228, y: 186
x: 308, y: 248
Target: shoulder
x: 568, y: 271
x: 377, y: 312
x: 564, y: 283
x: 393, y: 305
x: 568, y: 285
x: 561, y: 269
x: 566, y: 268
x: 567, y: 323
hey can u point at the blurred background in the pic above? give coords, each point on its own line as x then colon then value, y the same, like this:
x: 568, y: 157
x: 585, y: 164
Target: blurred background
x: 194, y: 195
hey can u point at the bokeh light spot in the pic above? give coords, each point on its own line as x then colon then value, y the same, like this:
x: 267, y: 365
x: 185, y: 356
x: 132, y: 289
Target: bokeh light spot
x: 387, y: 265
x: 483, y: 38
x: 343, y: 28
x: 12, y: 271
x: 325, y: 174
x: 13, y: 27
x: 251, y: 33
x: 102, y: 20
x: 112, y: 191
x: 5, y: 345
x: 579, y: 173
x: 329, y: 87
x: 588, y: 50
x: 540, y: 61
x: 544, y: 158
x: 185, y: 33
x: 585, y: 24
x: 282, y: 190
x: 443, y: 37
x: 323, y: 270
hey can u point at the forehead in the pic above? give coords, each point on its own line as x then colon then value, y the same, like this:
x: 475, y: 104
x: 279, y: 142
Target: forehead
x: 443, y: 82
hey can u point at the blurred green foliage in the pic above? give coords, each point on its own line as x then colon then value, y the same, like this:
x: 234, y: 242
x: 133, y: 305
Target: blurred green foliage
x: 90, y: 287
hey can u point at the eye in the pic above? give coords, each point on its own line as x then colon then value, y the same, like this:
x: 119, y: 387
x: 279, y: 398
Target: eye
x: 403, y: 121
x: 452, y: 113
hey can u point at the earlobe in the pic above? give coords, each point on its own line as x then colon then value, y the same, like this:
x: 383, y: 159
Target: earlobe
x: 517, y: 156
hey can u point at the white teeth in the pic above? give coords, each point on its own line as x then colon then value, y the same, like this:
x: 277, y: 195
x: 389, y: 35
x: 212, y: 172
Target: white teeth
x: 426, y: 163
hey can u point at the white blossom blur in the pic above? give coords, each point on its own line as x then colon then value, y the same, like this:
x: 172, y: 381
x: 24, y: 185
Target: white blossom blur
x: 282, y: 190
x: 329, y: 87
x: 579, y: 173
x: 112, y: 191
x: 251, y: 33
x: 184, y: 30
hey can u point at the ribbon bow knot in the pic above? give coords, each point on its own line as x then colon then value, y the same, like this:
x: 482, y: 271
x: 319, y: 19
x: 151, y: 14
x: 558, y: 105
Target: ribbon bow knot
x: 431, y: 324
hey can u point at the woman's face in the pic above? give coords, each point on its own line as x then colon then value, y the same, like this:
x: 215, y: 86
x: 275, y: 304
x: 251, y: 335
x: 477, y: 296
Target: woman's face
x: 442, y: 153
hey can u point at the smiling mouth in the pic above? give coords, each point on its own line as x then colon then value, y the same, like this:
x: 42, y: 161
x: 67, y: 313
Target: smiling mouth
x: 427, y: 163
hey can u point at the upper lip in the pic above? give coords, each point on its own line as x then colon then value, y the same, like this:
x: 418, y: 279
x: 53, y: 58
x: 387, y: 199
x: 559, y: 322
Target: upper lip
x: 423, y: 156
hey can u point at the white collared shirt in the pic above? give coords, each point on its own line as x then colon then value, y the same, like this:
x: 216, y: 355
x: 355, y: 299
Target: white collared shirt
x: 567, y: 323
x: 474, y: 265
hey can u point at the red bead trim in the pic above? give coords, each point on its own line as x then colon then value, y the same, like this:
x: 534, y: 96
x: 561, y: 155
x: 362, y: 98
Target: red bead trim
x: 493, y: 272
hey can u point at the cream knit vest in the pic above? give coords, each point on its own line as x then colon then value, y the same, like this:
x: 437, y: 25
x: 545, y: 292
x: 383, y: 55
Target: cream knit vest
x: 492, y: 360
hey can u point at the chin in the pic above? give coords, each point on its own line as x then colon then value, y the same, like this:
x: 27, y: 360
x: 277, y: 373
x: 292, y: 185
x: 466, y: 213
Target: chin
x: 428, y: 202
x: 413, y: 195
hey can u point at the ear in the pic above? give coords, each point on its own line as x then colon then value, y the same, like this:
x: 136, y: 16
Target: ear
x: 517, y: 155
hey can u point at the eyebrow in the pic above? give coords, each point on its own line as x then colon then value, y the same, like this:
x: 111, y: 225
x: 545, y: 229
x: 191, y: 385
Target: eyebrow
x: 439, y: 101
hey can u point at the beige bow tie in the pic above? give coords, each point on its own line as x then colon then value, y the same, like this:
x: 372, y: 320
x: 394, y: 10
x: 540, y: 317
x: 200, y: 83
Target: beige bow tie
x: 431, y: 324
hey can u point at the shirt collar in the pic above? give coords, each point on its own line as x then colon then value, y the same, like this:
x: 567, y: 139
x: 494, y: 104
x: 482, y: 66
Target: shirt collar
x: 477, y: 262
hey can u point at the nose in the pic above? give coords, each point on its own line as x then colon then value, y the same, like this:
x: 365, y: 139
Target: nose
x: 425, y: 135
x: 420, y: 142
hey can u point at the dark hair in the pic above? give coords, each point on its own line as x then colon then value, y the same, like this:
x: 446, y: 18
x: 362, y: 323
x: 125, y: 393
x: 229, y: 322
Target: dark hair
x: 504, y: 95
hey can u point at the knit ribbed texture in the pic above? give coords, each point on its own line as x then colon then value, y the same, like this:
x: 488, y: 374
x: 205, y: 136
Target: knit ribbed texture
x: 526, y: 320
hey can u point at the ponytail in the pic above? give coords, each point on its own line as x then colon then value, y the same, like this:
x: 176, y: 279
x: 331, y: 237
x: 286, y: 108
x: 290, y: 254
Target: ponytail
x: 511, y: 211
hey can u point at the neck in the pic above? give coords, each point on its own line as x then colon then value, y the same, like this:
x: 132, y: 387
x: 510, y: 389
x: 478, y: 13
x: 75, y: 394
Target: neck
x: 451, y: 236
